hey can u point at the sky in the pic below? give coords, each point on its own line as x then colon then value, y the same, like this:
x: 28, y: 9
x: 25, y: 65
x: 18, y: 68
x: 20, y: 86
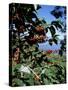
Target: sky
x: 44, y: 12
x: 46, y: 46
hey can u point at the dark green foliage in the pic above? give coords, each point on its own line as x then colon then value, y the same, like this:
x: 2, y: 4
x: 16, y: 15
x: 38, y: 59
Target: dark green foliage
x: 50, y: 41
x: 58, y: 12
x: 55, y: 41
x: 52, y: 30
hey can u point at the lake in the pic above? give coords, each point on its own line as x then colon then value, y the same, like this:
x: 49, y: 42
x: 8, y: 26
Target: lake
x: 45, y: 46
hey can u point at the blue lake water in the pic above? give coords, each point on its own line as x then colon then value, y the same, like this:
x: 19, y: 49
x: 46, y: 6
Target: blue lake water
x: 45, y: 46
